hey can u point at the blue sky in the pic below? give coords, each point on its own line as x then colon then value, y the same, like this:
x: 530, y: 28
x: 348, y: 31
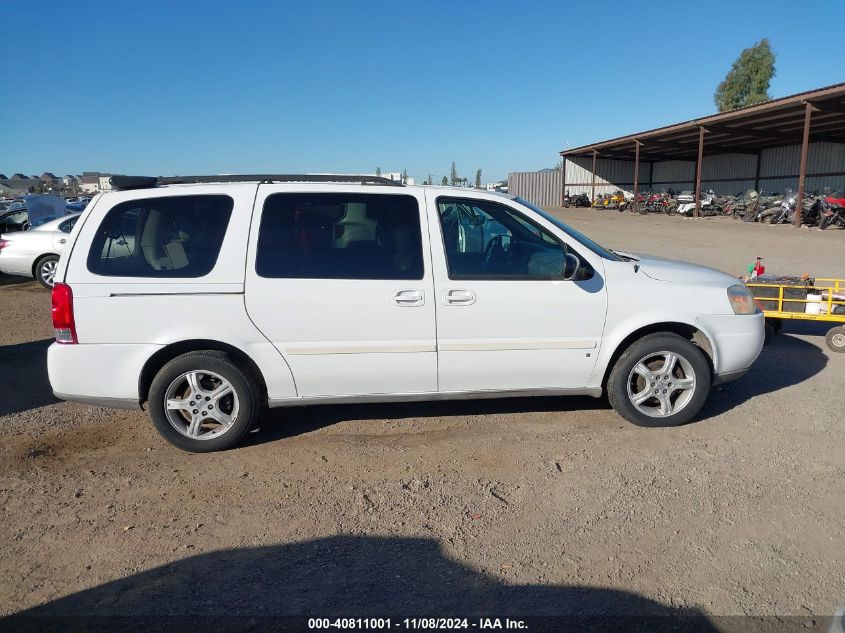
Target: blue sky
x: 188, y: 87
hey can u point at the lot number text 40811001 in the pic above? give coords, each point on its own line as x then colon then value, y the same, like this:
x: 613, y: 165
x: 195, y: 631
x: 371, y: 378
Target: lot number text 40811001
x: 415, y: 623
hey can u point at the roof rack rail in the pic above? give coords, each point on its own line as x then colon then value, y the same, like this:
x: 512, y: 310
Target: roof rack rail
x: 124, y: 183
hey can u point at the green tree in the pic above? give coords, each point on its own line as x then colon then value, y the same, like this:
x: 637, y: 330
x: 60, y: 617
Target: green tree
x: 378, y: 171
x: 478, y: 179
x: 454, y: 175
x: 445, y: 181
x: 748, y: 80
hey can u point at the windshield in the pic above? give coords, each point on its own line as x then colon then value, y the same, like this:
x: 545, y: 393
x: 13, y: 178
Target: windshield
x: 598, y: 249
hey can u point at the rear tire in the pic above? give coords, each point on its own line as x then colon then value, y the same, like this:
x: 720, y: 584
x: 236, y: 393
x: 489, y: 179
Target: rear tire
x: 185, y: 410
x: 45, y: 270
x: 644, y: 391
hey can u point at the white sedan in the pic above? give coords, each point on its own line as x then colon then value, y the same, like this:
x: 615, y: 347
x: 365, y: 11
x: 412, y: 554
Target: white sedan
x: 35, y: 253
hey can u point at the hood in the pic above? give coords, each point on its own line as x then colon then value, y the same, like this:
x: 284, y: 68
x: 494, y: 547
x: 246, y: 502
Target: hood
x: 664, y: 269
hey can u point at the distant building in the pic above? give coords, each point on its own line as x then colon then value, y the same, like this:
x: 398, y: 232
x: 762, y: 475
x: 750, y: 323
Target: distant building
x: 20, y: 185
x: 104, y: 182
x: 90, y: 181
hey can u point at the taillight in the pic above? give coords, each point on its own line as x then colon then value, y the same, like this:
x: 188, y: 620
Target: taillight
x: 64, y: 327
x: 4, y: 244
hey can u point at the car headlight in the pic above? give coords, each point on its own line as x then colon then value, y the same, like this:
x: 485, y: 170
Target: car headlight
x: 741, y: 299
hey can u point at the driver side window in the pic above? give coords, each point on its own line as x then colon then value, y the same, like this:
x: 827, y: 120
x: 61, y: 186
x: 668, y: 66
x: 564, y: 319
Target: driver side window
x: 487, y: 240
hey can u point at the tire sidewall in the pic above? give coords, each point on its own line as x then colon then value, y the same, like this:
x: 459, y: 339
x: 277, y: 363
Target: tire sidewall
x: 219, y: 363
x: 617, y: 386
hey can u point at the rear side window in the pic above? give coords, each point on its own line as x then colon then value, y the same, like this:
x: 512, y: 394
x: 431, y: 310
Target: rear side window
x: 340, y: 236
x: 67, y: 225
x: 176, y: 236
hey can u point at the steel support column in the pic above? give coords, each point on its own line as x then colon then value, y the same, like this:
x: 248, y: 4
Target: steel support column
x: 593, y: 186
x: 802, y: 169
x: 698, y: 171
x: 757, y: 172
x: 636, y: 174
x: 562, y: 179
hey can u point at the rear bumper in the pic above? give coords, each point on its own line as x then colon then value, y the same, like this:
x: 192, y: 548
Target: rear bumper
x: 736, y: 339
x: 100, y: 375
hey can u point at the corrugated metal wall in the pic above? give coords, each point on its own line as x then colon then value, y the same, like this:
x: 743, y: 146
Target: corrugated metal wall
x: 724, y: 174
x: 542, y: 188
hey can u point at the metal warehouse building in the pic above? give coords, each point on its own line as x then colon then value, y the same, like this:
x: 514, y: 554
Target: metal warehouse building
x: 796, y: 142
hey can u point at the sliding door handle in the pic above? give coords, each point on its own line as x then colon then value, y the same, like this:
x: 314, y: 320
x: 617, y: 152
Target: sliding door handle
x: 459, y: 297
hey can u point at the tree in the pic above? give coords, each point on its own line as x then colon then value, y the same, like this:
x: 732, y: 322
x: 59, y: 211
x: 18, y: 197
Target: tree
x: 445, y: 181
x: 378, y: 171
x: 454, y: 175
x: 478, y: 179
x: 405, y: 176
x: 748, y: 80
x: 430, y: 179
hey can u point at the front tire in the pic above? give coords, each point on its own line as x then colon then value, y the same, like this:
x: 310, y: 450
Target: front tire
x: 203, y: 402
x: 660, y: 380
x: 45, y: 270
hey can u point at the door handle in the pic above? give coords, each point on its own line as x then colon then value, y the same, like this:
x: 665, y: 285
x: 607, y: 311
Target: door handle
x: 62, y: 241
x: 409, y: 298
x: 459, y: 297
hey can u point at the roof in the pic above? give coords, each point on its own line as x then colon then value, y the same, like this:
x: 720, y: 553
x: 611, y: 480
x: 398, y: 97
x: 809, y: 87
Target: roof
x: 746, y: 130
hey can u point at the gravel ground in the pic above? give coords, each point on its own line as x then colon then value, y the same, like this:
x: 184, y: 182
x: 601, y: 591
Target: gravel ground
x: 508, y: 506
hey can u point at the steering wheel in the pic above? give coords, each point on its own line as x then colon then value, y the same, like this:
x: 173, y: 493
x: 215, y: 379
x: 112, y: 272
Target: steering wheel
x: 494, y: 252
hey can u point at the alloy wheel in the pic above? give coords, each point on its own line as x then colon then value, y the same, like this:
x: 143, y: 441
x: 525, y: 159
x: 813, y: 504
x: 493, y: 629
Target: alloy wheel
x: 201, y: 405
x: 661, y: 384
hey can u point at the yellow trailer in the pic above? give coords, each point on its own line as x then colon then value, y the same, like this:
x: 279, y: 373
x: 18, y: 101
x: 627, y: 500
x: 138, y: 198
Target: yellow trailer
x: 825, y: 301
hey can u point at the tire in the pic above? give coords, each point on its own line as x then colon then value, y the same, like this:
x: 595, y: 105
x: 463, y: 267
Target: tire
x: 45, y: 270
x: 824, y: 222
x: 682, y: 405
x: 181, y: 425
x: 835, y: 339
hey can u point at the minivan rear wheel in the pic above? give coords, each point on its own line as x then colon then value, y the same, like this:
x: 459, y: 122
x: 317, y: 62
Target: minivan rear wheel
x: 660, y: 380
x: 203, y: 402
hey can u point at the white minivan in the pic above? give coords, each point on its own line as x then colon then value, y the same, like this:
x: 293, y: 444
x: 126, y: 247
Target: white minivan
x: 208, y: 299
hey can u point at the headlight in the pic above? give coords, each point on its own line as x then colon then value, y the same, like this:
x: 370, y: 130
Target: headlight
x: 742, y: 301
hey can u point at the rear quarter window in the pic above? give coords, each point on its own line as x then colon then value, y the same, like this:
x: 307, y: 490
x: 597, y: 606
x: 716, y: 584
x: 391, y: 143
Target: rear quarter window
x: 175, y: 236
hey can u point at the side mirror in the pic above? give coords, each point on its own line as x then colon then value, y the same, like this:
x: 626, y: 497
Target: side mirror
x: 571, y: 266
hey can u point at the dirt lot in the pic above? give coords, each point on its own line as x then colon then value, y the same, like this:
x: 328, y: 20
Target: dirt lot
x: 507, y: 506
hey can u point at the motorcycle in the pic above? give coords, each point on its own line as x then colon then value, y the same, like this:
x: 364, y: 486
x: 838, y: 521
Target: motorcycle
x: 579, y: 200
x: 833, y: 213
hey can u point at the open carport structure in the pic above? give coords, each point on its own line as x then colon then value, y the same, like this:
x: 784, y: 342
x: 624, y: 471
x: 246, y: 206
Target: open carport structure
x: 797, y: 140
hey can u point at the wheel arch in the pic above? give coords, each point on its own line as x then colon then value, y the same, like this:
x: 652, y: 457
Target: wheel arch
x: 38, y: 259
x: 167, y: 353
x: 695, y: 335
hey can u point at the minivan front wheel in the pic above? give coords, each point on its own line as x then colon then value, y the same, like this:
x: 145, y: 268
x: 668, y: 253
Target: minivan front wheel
x: 203, y: 402
x: 660, y: 380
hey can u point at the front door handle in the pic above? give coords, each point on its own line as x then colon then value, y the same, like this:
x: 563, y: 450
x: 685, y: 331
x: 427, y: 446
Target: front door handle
x: 459, y: 297
x: 62, y: 241
x: 409, y: 298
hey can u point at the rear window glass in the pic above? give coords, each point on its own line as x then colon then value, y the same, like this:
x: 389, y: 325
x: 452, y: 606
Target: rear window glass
x: 176, y: 236
x: 340, y: 236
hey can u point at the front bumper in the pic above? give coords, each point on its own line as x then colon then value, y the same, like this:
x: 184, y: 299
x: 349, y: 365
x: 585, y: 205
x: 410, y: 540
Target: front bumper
x: 737, y: 341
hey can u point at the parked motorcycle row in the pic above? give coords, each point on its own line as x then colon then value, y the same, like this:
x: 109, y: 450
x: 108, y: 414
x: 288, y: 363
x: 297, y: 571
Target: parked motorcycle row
x: 825, y: 211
